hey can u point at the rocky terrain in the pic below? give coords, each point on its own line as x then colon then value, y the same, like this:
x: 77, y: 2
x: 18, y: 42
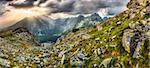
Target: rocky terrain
x: 120, y: 42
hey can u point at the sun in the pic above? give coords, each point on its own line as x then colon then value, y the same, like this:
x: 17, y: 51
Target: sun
x: 14, y: 15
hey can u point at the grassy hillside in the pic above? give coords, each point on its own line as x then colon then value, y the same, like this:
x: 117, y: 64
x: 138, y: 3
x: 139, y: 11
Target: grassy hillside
x: 121, y: 41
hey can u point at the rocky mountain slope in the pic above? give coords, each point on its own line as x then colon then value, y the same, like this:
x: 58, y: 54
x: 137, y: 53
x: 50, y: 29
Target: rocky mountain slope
x: 122, y: 41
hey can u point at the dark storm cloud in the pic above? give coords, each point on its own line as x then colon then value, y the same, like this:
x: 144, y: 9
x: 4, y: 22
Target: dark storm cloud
x: 74, y: 6
x: 81, y: 6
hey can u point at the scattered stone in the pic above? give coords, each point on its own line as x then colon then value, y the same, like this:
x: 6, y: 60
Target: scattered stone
x: 99, y: 27
x: 81, y: 55
x: 119, y: 23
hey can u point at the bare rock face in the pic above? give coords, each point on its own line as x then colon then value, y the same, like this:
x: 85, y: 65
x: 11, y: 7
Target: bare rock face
x: 134, y: 38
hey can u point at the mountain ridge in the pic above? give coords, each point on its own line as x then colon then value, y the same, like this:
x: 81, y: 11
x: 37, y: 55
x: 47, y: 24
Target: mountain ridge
x: 45, y: 28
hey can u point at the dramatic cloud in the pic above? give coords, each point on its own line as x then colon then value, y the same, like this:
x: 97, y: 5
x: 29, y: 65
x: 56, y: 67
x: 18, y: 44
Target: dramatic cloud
x: 73, y: 6
x: 81, y: 6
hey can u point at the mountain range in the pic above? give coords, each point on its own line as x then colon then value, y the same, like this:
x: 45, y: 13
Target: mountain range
x: 46, y: 29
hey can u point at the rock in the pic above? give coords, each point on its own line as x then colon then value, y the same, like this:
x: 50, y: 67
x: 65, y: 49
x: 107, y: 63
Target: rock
x: 132, y: 16
x: 4, y: 56
x: 97, y: 39
x: 5, y: 63
x: 99, y: 27
x: 105, y: 18
x: 63, y: 59
x: 119, y: 23
x: 80, y: 55
x: 132, y: 26
x: 108, y: 62
x: 137, y: 52
x: 94, y: 17
x: 133, y: 38
x: 129, y: 40
x: 111, y: 28
x: 61, y: 53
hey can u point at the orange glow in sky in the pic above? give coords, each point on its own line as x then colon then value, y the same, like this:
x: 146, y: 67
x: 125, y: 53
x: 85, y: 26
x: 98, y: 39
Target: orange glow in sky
x: 16, y: 14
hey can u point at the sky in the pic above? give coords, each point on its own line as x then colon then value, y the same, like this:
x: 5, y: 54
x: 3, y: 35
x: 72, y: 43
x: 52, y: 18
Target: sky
x: 19, y: 9
x: 76, y: 6
x: 61, y: 8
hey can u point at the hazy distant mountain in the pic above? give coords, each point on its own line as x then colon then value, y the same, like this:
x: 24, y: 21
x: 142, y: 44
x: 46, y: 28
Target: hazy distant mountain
x: 47, y: 29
